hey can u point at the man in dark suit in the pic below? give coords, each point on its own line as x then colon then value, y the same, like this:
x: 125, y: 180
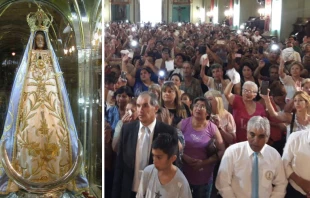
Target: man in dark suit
x: 135, y: 146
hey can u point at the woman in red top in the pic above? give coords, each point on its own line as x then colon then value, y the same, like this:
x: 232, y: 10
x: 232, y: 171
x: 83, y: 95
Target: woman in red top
x: 244, y: 107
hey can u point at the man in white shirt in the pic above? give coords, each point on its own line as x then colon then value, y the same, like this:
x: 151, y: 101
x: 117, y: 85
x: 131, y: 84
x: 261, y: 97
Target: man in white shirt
x: 252, y: 168
x: 296, y: 158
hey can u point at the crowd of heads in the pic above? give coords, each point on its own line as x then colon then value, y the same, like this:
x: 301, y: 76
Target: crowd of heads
x: 148, y: 47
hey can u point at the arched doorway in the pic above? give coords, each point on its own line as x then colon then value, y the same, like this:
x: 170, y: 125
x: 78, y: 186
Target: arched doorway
x: 72, y: 32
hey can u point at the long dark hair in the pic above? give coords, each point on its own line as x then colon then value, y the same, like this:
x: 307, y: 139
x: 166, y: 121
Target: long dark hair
x: 34, y: 40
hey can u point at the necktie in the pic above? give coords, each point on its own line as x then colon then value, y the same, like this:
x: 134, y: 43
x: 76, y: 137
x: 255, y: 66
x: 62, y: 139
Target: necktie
x: 145, y: 147
x: 255, y: 181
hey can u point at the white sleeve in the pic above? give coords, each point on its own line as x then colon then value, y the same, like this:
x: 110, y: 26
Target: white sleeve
x: 210, y: 82
x: 117, y: 135
x: 185, y: 192
x: 288, y: 155
x: 280, y: 181
x: 224, y: 175
x: 285, y: 80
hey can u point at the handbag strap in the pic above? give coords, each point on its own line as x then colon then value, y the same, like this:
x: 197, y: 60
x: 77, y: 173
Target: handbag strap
x: 292, y: 122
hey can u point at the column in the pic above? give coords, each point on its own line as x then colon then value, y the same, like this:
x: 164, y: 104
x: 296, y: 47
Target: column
x: 196, y: 11
x: 165, y: 10
x: 106, y: 11
x: 236, y: 15
x: 222, y: 6
x: 215, y: 11
x: 209, y: 13
x: 132, y: 11
x: 287, y: 16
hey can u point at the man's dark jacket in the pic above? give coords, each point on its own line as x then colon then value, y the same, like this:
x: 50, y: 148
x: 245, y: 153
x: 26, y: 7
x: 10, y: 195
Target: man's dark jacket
x: 125, y: 162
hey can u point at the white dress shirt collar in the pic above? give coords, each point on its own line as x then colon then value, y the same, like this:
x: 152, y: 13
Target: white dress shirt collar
x: 250, y: 151
x: 151, y: 126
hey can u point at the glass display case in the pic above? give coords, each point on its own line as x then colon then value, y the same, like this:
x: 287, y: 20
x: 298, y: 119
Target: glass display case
x: 75, y: 35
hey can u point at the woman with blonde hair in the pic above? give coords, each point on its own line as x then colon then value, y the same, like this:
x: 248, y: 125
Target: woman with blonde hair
x: 221, y: 117
x: 300, y: 119
x: 305, y: 86
x: 170, y: 99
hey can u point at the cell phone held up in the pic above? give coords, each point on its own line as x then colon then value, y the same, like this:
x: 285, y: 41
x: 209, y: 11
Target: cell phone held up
x: 123, y: 76
x: 220, y: 42
x: 264, y: 87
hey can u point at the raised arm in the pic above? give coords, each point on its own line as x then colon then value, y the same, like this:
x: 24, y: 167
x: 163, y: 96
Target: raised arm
x: 203, y: 76
x: 281, y: 68
x: 280, y: 116
x: 214, y: 56
x: 227, y: 92
x: 257, y: 74
x: 131, y: 80
x: 288, y: 108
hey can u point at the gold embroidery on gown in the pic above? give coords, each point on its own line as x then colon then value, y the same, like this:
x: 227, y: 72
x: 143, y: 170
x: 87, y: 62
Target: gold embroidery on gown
x: 42, y: 152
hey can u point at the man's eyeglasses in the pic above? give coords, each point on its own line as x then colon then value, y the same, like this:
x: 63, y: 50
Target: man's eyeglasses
x: 249, y: 91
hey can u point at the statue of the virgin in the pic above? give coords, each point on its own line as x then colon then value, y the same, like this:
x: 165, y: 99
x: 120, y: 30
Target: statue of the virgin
x: 40, y: 150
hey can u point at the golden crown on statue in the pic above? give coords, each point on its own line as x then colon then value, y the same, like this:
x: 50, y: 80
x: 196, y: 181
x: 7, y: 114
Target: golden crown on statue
x: 39, y: 20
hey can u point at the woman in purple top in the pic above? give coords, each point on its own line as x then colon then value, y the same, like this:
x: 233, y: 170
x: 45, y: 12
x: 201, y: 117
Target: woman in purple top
x: 198, y: 131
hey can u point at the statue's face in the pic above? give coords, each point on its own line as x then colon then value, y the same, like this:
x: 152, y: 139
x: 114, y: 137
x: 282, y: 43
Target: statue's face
x: 40, y: 41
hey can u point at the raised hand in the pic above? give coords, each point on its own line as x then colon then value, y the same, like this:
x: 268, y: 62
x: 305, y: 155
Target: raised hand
x: 216, y: 120
x: 298, y: 85
x: 166, y: 117
x: 125, y: 58
x: 205, y: 61
x: 127, y: 117
x: 261, y: 64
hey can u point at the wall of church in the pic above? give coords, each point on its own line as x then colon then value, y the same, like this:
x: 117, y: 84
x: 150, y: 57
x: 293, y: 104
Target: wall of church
x: 306, y: 9
x: 248, y: 9
x: 195, y: 10
x: 291, y: 10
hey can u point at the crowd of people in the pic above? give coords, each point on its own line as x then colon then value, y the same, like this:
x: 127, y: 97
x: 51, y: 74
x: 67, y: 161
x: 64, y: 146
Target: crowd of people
x: 168, y: 102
